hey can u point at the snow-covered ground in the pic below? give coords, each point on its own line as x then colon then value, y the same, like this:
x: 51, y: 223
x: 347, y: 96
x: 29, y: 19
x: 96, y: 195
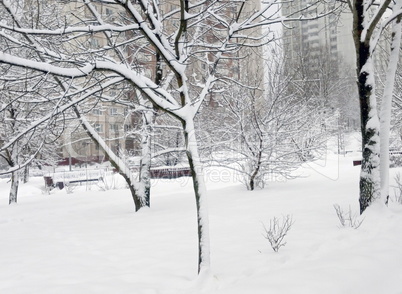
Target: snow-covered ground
x: 91, y: 241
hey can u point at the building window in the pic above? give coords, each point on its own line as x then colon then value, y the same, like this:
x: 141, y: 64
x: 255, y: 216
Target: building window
x: 108, y: 11
x: 94, y: 42
x: 98, y: 127
x: 127, y: 128
x: 114, y: 128
x: 113, y: 111
x: 96, y: 111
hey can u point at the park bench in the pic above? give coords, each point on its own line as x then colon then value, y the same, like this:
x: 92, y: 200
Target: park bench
x: 170, y: 172
x: 61, y: 179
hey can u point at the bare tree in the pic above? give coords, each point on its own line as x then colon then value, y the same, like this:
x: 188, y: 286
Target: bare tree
x: 22, y: 102
x: 266, y: 135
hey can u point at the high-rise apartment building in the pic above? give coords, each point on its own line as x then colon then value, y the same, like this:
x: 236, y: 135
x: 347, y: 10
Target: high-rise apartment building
x: 328, y: 38
x: 320, y: 54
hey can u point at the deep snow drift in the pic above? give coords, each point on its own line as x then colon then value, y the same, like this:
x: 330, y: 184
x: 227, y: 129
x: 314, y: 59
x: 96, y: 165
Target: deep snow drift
x: 91, y: 241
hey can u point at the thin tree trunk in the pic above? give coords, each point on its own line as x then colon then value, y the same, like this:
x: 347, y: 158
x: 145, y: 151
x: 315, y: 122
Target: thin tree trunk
x: 252, y: 179
x: 386, y: 108
x: 200, y: 196
x: 138, y: 203
x: 146, y: 145
x: 256, y: 170
x: 138, y: 198
x: 14, y: 187
x: 26, y: 174
x: 15, y: 175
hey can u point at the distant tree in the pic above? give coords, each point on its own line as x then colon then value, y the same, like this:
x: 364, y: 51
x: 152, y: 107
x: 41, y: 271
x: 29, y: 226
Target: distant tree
x: 22, y: 102
x: 266, y: 135
x: 325, y: 80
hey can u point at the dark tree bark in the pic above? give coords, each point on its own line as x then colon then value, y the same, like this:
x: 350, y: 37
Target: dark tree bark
x: 370, y: 168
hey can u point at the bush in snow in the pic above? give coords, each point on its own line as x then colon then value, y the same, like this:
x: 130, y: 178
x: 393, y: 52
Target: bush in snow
x: 69, y: 188
x: 347, y: 218
x: 277, y: 231
x: 107, y: 183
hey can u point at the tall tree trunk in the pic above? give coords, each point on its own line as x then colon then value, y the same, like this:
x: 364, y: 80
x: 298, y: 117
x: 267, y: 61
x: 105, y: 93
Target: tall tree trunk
x: 370, y: 168
x: 200, y: 195
x: 386, y: 107
x: 370, y: 125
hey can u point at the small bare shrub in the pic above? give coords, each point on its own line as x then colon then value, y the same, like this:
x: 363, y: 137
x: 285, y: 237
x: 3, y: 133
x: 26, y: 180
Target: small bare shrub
x: 69, y: 188
x: 277, y: 231
x: 107, y: 183
x: 45, y: 190
x: 348, y: 219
